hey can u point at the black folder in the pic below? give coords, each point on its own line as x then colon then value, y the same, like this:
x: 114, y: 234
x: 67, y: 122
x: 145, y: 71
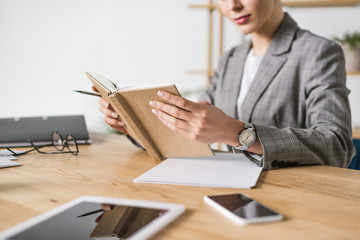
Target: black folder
x: 15, y: 132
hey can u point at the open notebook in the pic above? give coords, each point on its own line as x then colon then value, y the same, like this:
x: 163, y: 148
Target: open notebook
x: 132, y: 106
x: 225, y: 170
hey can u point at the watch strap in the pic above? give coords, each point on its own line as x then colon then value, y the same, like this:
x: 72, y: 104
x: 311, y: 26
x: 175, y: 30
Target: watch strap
x: 249, y: 125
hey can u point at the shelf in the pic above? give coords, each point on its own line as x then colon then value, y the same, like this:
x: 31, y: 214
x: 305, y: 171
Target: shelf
x: 353, y: 73
x: 296, y: 3
x: 356, y: 132
x: 320, y: 3
x: 211, y: 6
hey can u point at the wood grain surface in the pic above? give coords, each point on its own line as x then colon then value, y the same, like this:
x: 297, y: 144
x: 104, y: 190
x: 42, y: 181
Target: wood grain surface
x: 318, y: 202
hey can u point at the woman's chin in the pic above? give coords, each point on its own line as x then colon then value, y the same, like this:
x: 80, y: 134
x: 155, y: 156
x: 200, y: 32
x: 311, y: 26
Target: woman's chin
x: 245, y: 31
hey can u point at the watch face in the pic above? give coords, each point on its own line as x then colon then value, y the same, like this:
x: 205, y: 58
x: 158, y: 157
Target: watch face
x: 247, y: 137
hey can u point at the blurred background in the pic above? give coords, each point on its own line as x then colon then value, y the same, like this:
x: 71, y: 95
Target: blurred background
x: 47, y: 45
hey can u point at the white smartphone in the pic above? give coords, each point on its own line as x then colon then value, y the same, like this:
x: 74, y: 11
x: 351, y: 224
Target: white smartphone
x: 242, y: 209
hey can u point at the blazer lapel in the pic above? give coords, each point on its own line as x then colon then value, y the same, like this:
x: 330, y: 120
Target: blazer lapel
x: 235, y: 67
x: 268, y: 69
x: 270, y: 65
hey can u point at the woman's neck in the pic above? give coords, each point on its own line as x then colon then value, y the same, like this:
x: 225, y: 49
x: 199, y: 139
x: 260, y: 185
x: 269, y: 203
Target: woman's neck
x: 261, y: 39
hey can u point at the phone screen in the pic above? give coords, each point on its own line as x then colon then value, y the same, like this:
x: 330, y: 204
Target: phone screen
x: 243, y: 206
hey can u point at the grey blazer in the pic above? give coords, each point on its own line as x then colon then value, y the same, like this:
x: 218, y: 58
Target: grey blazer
x: 298, y: 100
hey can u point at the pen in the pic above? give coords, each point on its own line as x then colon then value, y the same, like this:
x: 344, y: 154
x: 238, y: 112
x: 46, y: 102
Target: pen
x: 90, y: 213
x: 88, y: 93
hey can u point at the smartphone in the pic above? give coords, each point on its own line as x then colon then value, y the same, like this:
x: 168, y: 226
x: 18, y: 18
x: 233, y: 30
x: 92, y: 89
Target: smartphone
x: 242, y: 209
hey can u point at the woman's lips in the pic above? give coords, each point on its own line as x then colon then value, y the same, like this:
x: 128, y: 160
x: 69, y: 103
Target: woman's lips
x: 242, y: 19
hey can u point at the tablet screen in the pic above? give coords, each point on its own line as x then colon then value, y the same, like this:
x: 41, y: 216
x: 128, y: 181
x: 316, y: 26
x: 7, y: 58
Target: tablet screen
x: 88, y: 220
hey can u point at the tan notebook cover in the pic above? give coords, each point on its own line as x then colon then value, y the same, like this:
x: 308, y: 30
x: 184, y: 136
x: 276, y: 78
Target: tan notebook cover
x: 133, y: 108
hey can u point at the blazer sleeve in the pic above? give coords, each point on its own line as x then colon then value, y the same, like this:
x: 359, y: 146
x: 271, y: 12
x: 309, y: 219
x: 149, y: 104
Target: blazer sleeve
x: 327, y: 138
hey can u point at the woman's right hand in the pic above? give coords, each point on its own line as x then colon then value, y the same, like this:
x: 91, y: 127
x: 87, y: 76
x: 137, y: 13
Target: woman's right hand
x: 111, y: 117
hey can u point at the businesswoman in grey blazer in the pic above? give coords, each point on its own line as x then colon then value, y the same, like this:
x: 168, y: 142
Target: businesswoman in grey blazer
x: 280, y: 98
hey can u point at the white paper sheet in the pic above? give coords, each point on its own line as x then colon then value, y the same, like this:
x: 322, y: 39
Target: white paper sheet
x: 7, y: 161
x: 223, y: 170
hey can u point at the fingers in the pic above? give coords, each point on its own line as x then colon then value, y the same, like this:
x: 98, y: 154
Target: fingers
x: 170, y: 110
x: 111, y: 117
x: 175, y: 128
x: 115, y: 124
x: 94, y: 89
x: 201, y: 121
x: 179, y: 112
x: 180, y: 108
x: 99, y: 218
x: 106, y: 207
x: 179, y: 120
x: 205, y: 103
x: 173, y: 121
x: 103, y: 103
x: 108, y: 112
x: 178, y: 101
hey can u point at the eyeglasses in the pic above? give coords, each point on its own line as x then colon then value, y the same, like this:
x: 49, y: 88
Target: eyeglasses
x: 58, y: 142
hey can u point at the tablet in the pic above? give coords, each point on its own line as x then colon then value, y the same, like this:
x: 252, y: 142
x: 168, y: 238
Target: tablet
x: 85, y: 218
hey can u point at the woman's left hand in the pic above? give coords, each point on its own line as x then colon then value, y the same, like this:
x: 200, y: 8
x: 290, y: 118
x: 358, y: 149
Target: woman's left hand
x: 201, y: 121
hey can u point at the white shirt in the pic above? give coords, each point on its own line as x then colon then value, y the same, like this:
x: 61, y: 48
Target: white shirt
x: 252, y: 64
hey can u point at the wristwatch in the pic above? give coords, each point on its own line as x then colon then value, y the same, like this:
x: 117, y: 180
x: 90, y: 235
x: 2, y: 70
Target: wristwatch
x: 246, y: 138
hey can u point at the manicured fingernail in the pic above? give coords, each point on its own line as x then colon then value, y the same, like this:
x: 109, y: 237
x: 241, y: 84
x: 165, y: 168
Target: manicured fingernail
x: 161, y: 93
x: 107, y: 208
x: 121, y: 124
x: 161, y: 119
x: 153, y: 104
x: 114, y: 115
x: 106, y: 105
x: 154, y: 111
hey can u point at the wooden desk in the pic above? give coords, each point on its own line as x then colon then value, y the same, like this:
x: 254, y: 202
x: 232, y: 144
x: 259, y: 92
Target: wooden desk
x: 319, y: 202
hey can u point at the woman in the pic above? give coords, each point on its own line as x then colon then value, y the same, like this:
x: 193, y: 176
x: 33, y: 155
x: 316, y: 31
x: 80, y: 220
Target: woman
x: 287, y: 86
